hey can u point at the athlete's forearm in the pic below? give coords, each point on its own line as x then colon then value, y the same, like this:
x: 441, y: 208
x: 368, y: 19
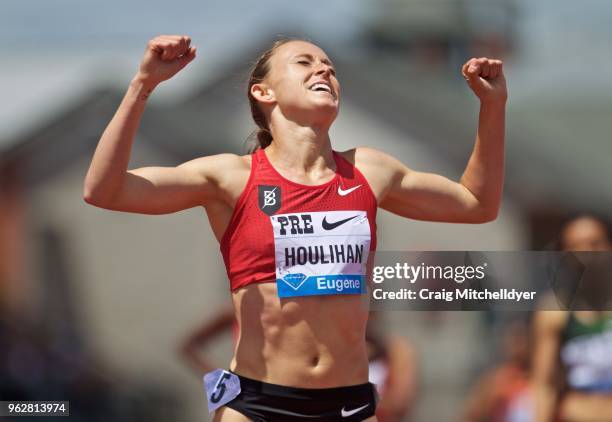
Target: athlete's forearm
x: 484, y: 174
x: 108, y: 167
x: 195, y: 361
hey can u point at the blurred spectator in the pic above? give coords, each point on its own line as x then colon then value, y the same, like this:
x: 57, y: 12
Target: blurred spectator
x: 502, y: 394
x: 393, y: 369
x: 572, y: 368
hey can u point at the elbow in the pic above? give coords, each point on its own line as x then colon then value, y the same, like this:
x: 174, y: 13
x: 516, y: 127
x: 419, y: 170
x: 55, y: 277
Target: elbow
x: 91, y: 197
x: 88, y: 196
x: 183, y: 350
x: 485, y: 215
x: 490, y: 216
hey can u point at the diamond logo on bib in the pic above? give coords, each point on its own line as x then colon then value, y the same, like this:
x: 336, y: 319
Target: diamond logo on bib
x: 294, y: 280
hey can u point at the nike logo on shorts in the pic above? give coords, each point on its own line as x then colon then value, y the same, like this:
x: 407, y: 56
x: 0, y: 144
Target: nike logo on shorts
x: 330, y: 226
x: 343, y: 192
x: 347, y: 413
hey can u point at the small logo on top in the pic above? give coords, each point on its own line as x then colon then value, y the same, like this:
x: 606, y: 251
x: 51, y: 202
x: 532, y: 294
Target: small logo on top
x: 269, y: 199
x: 343, y: 192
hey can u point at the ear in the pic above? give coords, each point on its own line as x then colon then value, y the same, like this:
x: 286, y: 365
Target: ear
x: 262, y: 92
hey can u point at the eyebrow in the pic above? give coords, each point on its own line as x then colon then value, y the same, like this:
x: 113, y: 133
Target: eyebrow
x: 310, y: 56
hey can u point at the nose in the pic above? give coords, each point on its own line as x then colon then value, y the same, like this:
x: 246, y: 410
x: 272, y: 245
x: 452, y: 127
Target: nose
x: 322, y: 68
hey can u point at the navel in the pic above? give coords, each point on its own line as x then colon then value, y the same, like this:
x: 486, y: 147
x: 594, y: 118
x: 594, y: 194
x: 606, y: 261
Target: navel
x: 315, y: 360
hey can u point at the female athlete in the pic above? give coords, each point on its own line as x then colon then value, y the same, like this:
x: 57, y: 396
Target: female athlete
x: 295, y: 220
x: 572, y: 369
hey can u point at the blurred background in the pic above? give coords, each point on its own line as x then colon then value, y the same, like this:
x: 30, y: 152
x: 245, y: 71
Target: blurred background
x: 96, y: 306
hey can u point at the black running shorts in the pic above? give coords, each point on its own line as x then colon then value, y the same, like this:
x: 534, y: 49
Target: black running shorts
x: 261, y: 401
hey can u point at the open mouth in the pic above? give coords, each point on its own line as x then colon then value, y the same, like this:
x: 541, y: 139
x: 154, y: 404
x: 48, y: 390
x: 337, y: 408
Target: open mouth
x: 322, y: 87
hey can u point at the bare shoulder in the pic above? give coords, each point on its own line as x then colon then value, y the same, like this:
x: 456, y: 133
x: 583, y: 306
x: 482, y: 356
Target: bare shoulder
x: 229, y: 173
x: 378, y: 167
x: 551, y: 320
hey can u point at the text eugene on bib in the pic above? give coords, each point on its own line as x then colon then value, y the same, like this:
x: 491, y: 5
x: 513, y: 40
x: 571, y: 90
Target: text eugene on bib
x: 321, y: 253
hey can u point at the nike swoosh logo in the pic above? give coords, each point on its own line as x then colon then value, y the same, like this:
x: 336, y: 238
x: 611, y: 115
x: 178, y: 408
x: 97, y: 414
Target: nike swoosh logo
x: 330, y: 226
x: 347, y: 413
x: 343, y: 192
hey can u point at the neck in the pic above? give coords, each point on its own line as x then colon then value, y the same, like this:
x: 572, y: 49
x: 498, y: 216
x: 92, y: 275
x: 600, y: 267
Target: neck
x: 300, y: 149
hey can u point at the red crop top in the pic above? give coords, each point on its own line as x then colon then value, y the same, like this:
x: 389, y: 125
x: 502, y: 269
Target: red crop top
x: 247, y: 245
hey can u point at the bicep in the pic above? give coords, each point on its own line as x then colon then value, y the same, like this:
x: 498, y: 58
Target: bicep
x: 163, y: 190
x: 431, y: 197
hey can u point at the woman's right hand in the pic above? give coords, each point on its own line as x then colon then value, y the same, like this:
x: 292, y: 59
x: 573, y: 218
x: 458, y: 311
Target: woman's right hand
x: 164, y: 57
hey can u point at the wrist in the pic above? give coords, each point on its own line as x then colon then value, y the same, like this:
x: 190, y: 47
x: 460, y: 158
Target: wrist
x: 142, y: 85
x: 494, y: 102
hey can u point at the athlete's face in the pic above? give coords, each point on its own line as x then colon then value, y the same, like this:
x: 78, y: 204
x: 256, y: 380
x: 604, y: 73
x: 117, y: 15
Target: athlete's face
x: 302, y: 79
x: 585, y: 234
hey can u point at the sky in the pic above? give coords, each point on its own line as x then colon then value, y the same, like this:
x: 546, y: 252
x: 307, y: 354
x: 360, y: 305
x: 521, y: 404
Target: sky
x: 52, y: 51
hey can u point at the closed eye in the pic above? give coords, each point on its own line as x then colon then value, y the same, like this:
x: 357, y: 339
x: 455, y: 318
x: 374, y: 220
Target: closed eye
x: 305, y: 62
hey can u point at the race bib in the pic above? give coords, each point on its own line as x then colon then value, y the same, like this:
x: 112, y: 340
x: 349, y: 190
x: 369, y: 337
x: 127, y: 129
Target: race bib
x: 221, y: 387
x: 321, y: 253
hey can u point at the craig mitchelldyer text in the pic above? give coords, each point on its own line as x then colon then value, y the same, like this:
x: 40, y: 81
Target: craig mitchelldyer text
x: 453, y: 294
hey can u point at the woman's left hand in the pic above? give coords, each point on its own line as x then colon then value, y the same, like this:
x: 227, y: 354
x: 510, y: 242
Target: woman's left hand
x: 486, y: 78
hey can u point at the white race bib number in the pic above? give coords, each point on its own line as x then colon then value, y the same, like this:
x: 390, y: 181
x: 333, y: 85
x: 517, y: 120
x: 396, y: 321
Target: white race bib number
x: 221, y: 387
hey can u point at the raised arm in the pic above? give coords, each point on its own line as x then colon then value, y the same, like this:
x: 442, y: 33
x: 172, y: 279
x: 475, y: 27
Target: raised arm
x: 149, y: 190
x: 477, y: 196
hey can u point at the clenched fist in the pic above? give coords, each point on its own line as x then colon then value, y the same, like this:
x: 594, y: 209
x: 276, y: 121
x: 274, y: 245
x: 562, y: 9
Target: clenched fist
x: 164, y: 57
x: 486, y: 78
